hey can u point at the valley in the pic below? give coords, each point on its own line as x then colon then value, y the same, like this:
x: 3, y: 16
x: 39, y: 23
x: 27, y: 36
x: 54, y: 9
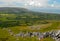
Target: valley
x: 14, y: 22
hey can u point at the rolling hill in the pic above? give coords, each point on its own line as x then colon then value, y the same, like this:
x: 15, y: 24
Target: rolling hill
x: 16, y: 20
x: 28, y: 13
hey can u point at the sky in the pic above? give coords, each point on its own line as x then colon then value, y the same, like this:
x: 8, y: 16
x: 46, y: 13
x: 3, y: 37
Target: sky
x: 30, y: 3
x: 54, y: 4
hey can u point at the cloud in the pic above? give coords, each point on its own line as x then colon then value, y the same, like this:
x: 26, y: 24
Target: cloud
x: 26, y: 2
x: 36, y: 3
x: 30, y: 3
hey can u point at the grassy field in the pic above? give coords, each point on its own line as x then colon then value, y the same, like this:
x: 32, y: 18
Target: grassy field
x: 43, y: 28
x: 23, y: 24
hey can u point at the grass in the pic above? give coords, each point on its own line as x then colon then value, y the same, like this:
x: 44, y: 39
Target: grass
x: 17, y: 29
x: 54, y: 26
x: 4, y: 33
x: 48, y: 39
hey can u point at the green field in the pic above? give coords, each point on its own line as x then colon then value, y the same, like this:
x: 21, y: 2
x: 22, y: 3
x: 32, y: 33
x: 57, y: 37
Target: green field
x: 5, y: 34
x: 23, y: 20
x: 23, y: 23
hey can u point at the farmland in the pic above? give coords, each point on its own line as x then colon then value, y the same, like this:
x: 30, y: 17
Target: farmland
x: 26, y: 21
x: 23, y: 26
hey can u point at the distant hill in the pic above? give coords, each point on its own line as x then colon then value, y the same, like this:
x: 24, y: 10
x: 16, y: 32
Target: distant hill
x: 14, y: 10
x: 47, y: 10
x: 28, y: 13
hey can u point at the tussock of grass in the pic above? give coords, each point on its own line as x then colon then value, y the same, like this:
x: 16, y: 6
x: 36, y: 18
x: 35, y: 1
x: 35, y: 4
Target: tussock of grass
x: 48, y: 39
